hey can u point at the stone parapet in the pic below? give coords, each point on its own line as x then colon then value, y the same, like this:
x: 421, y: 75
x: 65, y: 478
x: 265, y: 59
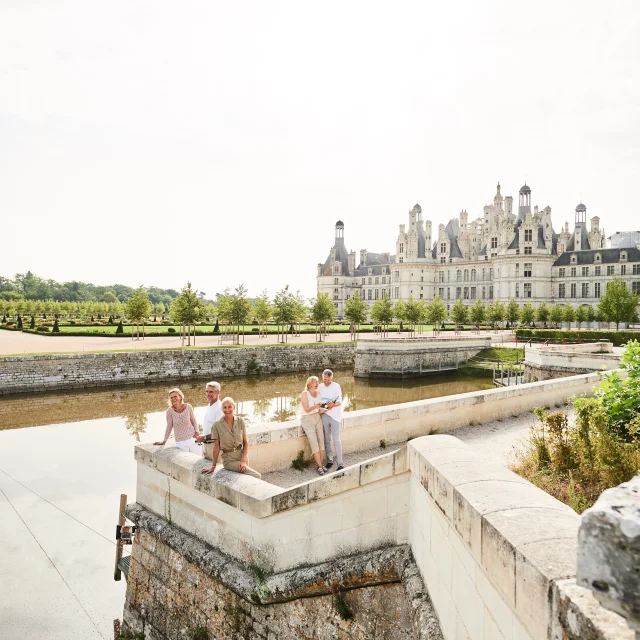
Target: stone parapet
x: 25, y: 374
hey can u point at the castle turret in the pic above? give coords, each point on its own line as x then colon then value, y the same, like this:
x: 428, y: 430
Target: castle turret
x: 524, y: 206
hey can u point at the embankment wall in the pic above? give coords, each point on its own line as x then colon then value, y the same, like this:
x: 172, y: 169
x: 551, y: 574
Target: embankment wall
x: 25, y: 374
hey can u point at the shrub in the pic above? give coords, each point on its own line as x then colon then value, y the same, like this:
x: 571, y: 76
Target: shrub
x: 43, y: 329
x: 72, y: 321
x: 216, y: 329
x: 617, y: 338
x: 56, y: 328
x: 32, y: 324
x: 110, y: 319
x: 19, y: 322
x: 119, y: 328
x: 171, y: 330
x: 299, y: 462
x: 383, y: 444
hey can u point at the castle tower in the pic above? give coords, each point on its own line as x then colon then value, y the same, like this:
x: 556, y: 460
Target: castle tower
x: 524, y: 205
x: 498, y: 199
x: 339, y: 230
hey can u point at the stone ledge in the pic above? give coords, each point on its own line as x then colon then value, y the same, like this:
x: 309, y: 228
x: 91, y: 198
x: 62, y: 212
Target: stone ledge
x: 382, y: 566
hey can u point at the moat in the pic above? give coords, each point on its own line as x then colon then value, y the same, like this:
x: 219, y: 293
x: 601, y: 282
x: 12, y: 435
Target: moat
x: 66, y: 457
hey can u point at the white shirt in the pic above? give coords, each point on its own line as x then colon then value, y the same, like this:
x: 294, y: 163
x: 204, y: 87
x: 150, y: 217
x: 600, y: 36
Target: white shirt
x: 332, y: 393
x: 214, y: 413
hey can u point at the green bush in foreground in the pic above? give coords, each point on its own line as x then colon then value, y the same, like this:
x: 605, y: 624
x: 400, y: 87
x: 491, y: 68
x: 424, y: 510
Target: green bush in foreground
x: 576, y: 462
x: 617, y: 338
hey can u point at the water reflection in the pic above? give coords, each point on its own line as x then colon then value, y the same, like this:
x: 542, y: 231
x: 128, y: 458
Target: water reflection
x: 259, y: 400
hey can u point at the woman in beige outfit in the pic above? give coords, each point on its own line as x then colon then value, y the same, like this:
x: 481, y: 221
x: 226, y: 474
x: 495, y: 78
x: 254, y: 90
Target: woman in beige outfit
x: 230, y: 435
x: 312, y: 422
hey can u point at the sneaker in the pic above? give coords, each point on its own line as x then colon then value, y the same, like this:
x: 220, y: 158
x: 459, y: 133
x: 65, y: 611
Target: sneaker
x: 320, y: 471
x: 328, y: 465
x: 340, y: 467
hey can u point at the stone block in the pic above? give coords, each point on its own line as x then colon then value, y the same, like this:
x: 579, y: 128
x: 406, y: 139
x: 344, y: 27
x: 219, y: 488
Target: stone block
x: 334, y: 483
x: 609, y: 545
x: 256, y: 499
x: 364, y: 507
x: 499, y: 611
x: 401, y: 460
x: 376, y: 469
x: 289, y: 498
x: 186, y: 466
x: 288, y: 432
x: 163, y: 459
x: 499, y: 561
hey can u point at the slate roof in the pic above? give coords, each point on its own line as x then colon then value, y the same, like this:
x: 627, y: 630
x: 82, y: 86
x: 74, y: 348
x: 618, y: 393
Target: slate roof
x: 342, y: 256
x: 584, y: 238
x: 453, y: 231
x: 608, y: 256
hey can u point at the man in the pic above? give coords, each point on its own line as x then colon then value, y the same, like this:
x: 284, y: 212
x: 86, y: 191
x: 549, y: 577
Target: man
x: 331, y: 394
x: 214, y: 411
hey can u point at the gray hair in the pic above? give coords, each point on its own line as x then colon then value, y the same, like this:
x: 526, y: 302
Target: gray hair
x: 229, y: 399
x: 214, y: 385
x: 328, y: 373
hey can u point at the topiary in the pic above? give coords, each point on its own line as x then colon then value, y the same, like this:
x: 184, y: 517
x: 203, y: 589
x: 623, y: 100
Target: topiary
x: 56, y: 328
x: 110, y: 319
x: 120, y: 328
x: 32, y: 324
x: 42, y: 329
x: 171, y: 330
x: 216, y: 329
x: 4, y: 319
x: 19, y: 322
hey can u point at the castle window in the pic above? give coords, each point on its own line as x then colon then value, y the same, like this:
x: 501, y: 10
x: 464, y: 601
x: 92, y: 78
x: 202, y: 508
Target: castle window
x: 528, y: 267
x: 377, y: 280
x: 517, y: 252
x: 494, y: 243
x: 527, y: 289
x: 397, y: 275
x: 636, y: 269
x: 611, y: 270
x: 401, y: 259
x: 585, y: 272
x: 441, y: 292
x: 473, y: 293
x: 623, y: 256
x: 573, y: 290
x: 369, y: 281
x: 527, y: 251
x: 473, y: 275
x: 465, y: 293
x: 596, y: 289
x: 517, y: 269
x: 484, y: 292
x: 440, y: 276
x: 491, y: 273
x: 335, y: 281
x: 369, y: 294
x: 443, y: 247
x: 517, y: 290
x: 573, y: 272
x: 561, y: 272
x: 598, y: 270
x: 448, y: 293
x: 597, y: 257
x: 459, y: 275
x: 573, y: 259
x: 466, y: 275
x: 458, y: 292
x: 377, y: 293
x: 635, y: 287
x: 491, y: 292
x: 585, y: 289
x: 402, y: 247
x: 623, y: 269
x: 363, y: 280
x: 528, y: 235
x: 384, y: 280
x: 562, y: 290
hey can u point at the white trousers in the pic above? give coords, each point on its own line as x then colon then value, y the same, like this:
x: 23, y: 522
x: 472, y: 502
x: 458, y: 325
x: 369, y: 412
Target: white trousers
x: 189, y: 445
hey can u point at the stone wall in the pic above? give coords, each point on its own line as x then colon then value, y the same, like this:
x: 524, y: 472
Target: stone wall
x: 385, y: 356
x: 20, y: 374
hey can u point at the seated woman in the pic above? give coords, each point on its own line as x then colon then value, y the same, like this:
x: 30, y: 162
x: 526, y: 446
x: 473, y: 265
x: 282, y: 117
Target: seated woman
x: 182, y: 420
x: 312, y: 422
x: 230, y: 435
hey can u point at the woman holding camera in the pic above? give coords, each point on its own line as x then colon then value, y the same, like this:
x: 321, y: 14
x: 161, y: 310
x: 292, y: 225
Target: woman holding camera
x: 312, y: 422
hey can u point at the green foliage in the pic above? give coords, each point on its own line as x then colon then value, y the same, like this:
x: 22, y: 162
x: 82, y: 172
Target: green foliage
x: 581, y: 315
x: 617, y: 338
x: 382, y: 311
x: 188, y: 308
x: 459, y: 313
x: 556, y: 314
x: 138, y: 307
x: 501, y: 354
x: 199, y: 633
x: 355, y: 309
x: 119, y: 328
x: 618, y: 304
x: 478, y: 313
x: 299, y: 462
x: 42, y: 329
x: 513, y: 312
x: 414, y: 311
x: 383, y: 444
x: 19, y: 322
x: 576, y: 462
x: 436, y: 312
x: 32, y: 324
x: 527, y: 314
x: 240, y: 307
x: 253, y: 366
x: 569, y: 315
x: 542, y: 313
x: 262, y: 308
x: 56, y: 326
x: 341, y: 606
x: 322, y: 310
x: 400, y: 311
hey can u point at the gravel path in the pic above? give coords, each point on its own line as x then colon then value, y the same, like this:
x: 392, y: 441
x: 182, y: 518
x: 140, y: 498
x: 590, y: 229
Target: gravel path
x: 290, y: 477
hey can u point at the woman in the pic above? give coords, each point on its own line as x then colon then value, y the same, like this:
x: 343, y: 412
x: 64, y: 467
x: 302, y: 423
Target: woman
x: 182, y: 420
x: 230, y: 435
x: 312, y: 422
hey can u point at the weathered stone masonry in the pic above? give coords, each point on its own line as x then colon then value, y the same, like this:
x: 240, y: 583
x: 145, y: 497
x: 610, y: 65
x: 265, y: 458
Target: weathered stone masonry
x: 25, y: 374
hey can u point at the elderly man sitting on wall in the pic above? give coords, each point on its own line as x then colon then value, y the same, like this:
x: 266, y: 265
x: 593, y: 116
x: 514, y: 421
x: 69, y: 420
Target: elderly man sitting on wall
x: 230, y: 436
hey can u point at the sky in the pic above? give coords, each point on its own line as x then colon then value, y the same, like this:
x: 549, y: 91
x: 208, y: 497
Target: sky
x: 155, y: 143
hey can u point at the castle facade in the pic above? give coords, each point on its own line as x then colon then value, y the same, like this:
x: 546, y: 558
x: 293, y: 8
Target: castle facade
x: 504, y: 254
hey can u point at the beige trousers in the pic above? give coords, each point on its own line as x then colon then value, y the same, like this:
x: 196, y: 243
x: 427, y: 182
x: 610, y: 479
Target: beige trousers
x: 232, y: 460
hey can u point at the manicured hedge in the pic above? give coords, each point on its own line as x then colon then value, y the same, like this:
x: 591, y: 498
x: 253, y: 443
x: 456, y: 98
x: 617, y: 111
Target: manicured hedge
x: 617, y: 338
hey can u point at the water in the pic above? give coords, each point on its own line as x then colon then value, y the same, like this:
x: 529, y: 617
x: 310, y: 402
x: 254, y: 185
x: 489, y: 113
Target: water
x: 66, y: 457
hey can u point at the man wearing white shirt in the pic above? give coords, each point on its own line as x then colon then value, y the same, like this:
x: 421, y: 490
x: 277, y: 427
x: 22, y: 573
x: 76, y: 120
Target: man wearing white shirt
x: 214, y: 410
x: 331, y: 394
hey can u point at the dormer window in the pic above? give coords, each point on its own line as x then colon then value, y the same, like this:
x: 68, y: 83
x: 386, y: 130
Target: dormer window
x: 623, y: 255
x: 573, y: 259
x: 370, y: 271
x: 528, y: 235
x: 597, y: 257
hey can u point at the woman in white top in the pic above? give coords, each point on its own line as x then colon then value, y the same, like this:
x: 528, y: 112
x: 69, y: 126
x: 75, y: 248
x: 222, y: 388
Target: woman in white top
x: 182, y: 421
x: 312, y: 422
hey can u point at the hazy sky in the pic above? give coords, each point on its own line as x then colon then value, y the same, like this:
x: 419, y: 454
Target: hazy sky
x: 218, y: 142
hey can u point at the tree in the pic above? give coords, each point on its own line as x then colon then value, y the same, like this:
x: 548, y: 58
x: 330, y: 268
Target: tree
x: 263, y: 311
x: 618, y: 304
x: 527, y: 314
x: 322, y: 312
x: 569, y: 315
x: 556, y: 314
x: 400, y: 312
x: 477, y: 313
x: 581, y: 315
x: 355, y: 311
x: 137, y: 309
x: 513, y: 312
x: 436, y: 313
x: 186, y: 310
x: 459, y: 314
x: 284, y: 311
x: 382, y: 313
x: 240, y: 310
x: 542, y: 313
x: 591, y: 314
x: 56, y: 327
x: 496, y: 313
x: 32, y: 324
x: 413, y: 312
x: 223, y: 305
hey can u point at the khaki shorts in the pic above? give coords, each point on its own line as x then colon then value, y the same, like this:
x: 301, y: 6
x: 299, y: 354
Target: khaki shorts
x: 313, y: 429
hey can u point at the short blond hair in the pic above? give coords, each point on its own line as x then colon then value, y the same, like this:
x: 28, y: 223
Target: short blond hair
x: 229, y: 399
x: 310, y: 379
x: 175, y: 390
